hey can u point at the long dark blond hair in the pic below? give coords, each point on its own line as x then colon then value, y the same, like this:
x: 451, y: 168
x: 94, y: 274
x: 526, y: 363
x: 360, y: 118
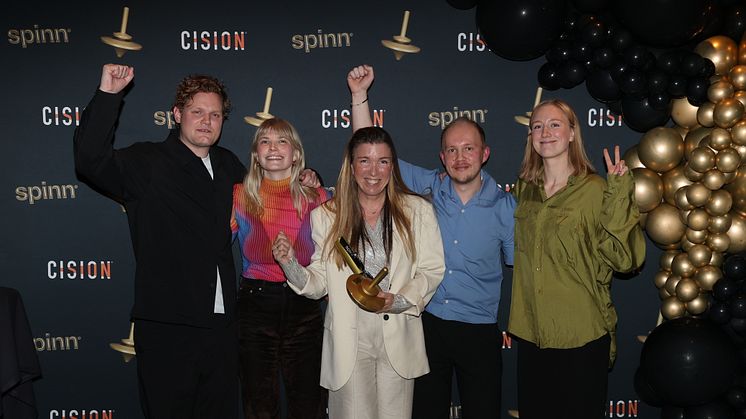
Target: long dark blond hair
x: 532, y: 167
x: 253, y: 180
x: 349, y: 222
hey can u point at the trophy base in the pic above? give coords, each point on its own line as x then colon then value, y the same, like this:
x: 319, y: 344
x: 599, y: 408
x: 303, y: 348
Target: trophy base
x: 357, y: 286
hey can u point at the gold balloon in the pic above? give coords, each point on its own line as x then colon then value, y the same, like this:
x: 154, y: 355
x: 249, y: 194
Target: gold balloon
x: 682, y: 266
x: 660, y: 278
x: 720, y: 90
x: 717, y: 259
x: 696, y: 236
x: 664, y: 226
x: 684, y: 113
x: 728, y: 160
x: 699, y: 255
x: 687, y: 289
x: 714, y: 179
x: 719, y: 224
x: 742, y: 50
x: 631, y: 159
x: 719, y: 138
x: 702, y: 159
x: 661, y: 149
x: 737, y: 234
x: 738, y: 132
x: 737, y: 76
x: 697, y: 305
x: 666, y: 246
x: 666, y: 259
x: 737, y: 189
x: 681, y: 201
x: 692, y: 174
x: 720, y: 203
x: 698, y: 219
x: 718, y: 242
x: 727, y: 112
x: 663, y: 294
x: 697, y: 194
x: 740, y: 96
x: 692, y: 139
x: 684, y: 215
x: 671, y: 283
x: 721, y: 50
x: 648, y: 189
x: 685, y: 244
x: 704, y: 114
x: 707, y: 276
x: 672, y: 181
x: 730, y: 176
x: 672, y: 308
x: 683, y: 130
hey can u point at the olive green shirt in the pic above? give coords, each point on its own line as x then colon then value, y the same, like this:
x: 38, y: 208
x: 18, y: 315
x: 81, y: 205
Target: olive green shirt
x: 566, y: 249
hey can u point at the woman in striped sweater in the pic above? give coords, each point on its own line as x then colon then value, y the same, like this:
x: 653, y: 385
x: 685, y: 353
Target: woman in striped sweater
x: 279, y: 332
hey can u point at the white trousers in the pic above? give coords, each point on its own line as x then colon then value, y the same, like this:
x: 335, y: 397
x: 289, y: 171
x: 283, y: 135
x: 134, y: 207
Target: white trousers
x: 375, y: 390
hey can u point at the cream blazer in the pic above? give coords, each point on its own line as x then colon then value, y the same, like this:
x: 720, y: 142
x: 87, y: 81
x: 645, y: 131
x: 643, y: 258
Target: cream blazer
x: 415, y: 279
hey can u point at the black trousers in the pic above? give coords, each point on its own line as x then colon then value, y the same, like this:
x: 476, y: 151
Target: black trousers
x: 475, y: 352
x: 563, y: 383
x: 280, y: 335
x: 187, y: 372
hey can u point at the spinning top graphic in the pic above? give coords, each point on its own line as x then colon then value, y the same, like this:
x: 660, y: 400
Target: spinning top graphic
x: 127, y: 347
x: 401, y: 44
x: 526, y: 119
x: 264, y: 114
x: 122, y: 41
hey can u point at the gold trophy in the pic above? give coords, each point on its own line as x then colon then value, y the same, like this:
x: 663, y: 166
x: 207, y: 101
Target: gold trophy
x: 361, y: 286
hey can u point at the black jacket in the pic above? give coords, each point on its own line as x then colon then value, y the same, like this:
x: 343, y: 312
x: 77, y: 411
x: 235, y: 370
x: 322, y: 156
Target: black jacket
x: 179, y: 217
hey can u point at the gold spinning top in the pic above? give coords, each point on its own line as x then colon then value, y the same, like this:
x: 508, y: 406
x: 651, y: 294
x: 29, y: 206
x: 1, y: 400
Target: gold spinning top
x: 360, y: 286
x: 264, y: 114
x: 525, y: 120
x: 401, y: 44
x: 122, y: 41
x: 127, y: 347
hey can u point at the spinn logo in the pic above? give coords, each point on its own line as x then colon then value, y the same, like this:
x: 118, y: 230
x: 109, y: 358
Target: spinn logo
x: 601, y: 117
x: 442, y: 119
x: 37, y: 35
x: 623, y: 409
x: 60, y: 115
x: 335, y: 118
x: 319, y: 39
x: 468, y: 42
x: 57, y: 343
x: 36, y: 193
x: 79, y: 269
x: 81, y: 414
x: 213, y: 40
x: 166, y: 118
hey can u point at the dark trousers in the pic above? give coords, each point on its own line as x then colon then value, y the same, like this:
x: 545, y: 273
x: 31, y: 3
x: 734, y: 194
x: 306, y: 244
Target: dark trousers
x: 187, y: 372
x: 280, y: 335
x: 563, y: 383
x: 475, y: 352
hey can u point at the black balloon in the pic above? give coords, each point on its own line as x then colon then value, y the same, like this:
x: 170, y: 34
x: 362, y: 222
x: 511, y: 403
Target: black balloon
x: 657, y: 80
x: 677, y: 85
x: 590, y: 6
x: 672, y: 412
x: 734, y: 267
x: 602, y: 87
x: 725, y: 289
x: 737, y: 306
x: 634, y: 83
x: 582, y: 52
x: 593, y: 34
x: 738, y: 325
x: 617, y: 70
x: 615, y: 107
x: 736, y: 397
x: 643, y: 389
x: 735, y: 21
x: 520, y: 29
x: 571, y: 74
x: 708, y: 69
x: 669, y: 62
x: 559, y: 52
x: 691, y: 64
x: 637, y: 56
x: 719, y: 313
x: 620, y: 39
x: 640, y: 116
x: 713, y: 410
x: 604, y: 57
x: 689, y: 361
x: 548, y: 76
x: 462, y: 4
x: 662, y: 23
x: 696, y: 90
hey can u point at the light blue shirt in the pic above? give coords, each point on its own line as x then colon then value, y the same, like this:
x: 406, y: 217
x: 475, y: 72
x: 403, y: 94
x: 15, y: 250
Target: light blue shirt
x: 476, y: 237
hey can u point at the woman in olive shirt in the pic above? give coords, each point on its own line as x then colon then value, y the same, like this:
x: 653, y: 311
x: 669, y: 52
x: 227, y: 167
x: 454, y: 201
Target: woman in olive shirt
x: 573, y: 230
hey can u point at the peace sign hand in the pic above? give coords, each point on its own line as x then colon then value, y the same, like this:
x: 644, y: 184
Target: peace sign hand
x: 619, y: 167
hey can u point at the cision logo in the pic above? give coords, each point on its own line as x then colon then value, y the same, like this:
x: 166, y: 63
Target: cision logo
x: 340, y: 118
x: 36, y: 35
x: 623, y: 409
x: 44, y: 192
x: 79, y: 270
x: 57, y: 343
x: 60, y: 115
x: 602, y: 117
x: 312, y: 41
x: 507, y: 341
x: 470, y: 42
x: 212, y: 40
x: 81, y: 414
x: 443, y: 118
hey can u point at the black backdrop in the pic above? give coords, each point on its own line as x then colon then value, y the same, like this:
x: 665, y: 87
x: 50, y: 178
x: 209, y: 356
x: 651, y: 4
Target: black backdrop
x: 52, y: 223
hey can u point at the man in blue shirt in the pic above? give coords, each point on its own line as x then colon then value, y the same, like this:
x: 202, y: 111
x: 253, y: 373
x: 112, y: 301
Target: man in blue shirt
x: 476, y: 224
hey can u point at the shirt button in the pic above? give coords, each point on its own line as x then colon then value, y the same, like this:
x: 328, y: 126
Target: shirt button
x: 538, y: 268
x: 385, y: 316
x: 463, y: 211
x: 446, y: 301
x: 450, y: 271
x: 455, y: 242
